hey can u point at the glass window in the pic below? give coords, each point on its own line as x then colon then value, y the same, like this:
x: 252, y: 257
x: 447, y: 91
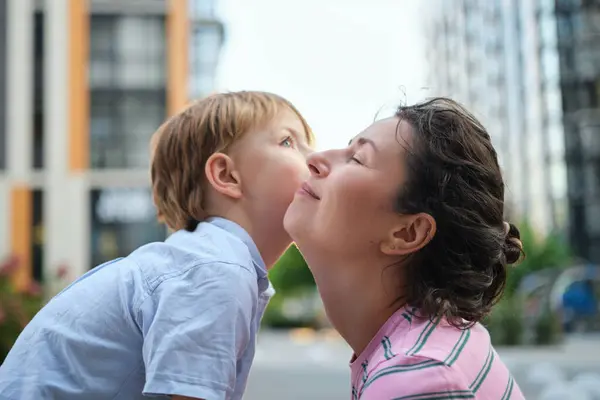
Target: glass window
x: 550, y: 65
x: 553, y: 102
x: 128, y: 88
x: 546, y: 6
x: 556, y: 142
x: 37, y: 235
x: 590, y: 141
x: 592, y: 225
x: 570, y: 97
x: 558, y: 179
x: 202, y: 8
x: 127, y: 52
x: 564, y: 28
x: 122, y: 123
x: 140, y: 52
x: 588, y: 96
x: 102, y: 51
x: 205, y: 50
x: 3, y: 44
x: 38, y: 93
x: 123, y: 219
x: 548, y: 30
x: 575, y: 184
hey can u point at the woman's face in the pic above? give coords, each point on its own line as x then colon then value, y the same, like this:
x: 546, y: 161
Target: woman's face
x: 345, y: 210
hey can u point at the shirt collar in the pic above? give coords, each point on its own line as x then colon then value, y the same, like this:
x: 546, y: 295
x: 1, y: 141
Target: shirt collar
x: 240, y: 233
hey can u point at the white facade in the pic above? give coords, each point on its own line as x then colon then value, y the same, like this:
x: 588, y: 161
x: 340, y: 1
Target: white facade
x: 75, y: 188
x: 500, y: 59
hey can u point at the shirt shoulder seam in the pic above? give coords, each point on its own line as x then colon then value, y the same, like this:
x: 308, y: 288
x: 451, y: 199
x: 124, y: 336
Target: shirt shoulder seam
x: 149, y: 291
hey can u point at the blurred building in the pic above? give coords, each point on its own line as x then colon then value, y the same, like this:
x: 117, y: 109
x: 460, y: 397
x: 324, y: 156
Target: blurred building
x: 578, y: 23
x: 501, y: 59
x: 87, y: 83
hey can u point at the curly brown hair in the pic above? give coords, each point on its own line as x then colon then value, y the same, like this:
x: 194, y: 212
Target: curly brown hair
x: 454, y: 176
x: 183, y: 144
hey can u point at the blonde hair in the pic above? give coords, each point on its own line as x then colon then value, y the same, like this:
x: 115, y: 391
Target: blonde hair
x: 183, y: 144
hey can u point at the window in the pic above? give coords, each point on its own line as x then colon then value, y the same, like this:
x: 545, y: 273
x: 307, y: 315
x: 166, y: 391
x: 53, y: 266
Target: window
x: 589, y: 94
x: 121, y: 126
x: 548, y: 31
x: 556, y: 142
x: 205, y: 48
x: 558, y: 179
x: 37, y: 235
x: 546, y: 6
x: 550, y: 65
x: 202, y: 8
x: 128, y: 88
x: 592, y: 226
x: 575, y: 184
x: 123, y: 219
x: 127, y: 52
x: 590, y: 141
x: 564, y: 29
x: 552, y: 102
x: 38, y: 93
x: 3, y: 46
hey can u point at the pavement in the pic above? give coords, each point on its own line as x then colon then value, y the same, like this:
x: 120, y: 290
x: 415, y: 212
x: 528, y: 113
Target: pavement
x: 303, y: 364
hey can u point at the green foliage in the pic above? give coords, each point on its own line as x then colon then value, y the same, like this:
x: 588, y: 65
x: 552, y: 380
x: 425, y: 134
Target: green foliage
x: 16, y: 307
x: 547, y: 329
x: 541, y: 253
x: 506, y: 324
x: 291, y: 274
x: 291, y: 278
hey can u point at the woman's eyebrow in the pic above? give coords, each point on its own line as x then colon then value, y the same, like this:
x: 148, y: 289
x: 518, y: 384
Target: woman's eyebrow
x: 362, y: 140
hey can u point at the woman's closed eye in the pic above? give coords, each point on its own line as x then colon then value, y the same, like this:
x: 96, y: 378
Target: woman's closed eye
x: 356, y: 160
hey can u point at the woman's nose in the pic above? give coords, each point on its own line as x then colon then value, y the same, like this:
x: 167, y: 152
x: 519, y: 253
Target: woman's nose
x: 318, y: 164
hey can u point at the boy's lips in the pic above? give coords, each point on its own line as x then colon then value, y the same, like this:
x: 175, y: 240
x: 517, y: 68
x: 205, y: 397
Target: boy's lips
x: 306, y: 190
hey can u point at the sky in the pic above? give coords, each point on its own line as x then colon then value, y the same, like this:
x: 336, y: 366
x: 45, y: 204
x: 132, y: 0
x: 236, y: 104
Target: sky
x: 341, y: 62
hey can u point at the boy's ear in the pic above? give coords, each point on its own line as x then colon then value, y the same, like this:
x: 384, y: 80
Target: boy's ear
x: 222, y: 176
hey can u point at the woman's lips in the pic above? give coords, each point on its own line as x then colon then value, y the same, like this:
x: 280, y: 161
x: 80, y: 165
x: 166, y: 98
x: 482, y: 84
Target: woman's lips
x: 305, y: 189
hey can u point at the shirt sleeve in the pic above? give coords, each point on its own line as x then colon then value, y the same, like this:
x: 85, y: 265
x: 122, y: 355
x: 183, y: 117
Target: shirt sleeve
x: 426, y: 380
x: 195, y: 327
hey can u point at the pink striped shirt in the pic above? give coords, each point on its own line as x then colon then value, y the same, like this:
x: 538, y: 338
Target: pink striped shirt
x: 415, y: 359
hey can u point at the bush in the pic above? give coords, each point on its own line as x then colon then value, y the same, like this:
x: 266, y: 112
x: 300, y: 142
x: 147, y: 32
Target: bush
x: 17, y: 308
x: 547, y: 329
x: 551, y: 251
x: 292, y: 281
x: 505, y: 323
x: 291, y: 274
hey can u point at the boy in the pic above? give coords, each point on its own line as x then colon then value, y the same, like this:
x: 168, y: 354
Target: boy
x: 178, y: 319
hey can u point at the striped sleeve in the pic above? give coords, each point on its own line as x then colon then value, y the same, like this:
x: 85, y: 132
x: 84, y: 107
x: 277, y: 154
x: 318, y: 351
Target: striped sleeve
x: 421, y: 380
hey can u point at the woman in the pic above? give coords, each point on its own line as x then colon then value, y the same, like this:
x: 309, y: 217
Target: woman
x: 404, y: 233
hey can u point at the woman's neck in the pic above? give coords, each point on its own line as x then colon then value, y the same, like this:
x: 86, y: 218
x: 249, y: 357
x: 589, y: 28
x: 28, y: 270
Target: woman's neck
x: 357, y: 308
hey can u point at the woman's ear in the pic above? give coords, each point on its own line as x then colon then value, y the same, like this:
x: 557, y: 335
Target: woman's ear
x: 411, y: 234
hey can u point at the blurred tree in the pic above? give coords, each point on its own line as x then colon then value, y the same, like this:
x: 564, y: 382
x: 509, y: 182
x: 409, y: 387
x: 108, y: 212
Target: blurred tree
x: 291, y: 273
x: 505, y: 323
x: 551, y: 251
x: 291, y: 279
x: 16, y: 307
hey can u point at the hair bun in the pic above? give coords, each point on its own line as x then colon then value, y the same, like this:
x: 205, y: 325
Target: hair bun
x: 513, y: 247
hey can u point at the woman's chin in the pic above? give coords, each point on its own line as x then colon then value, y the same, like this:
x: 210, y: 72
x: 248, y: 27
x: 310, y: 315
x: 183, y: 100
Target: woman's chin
x: 294, y: 221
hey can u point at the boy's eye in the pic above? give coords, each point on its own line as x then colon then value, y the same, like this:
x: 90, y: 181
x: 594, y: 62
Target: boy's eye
x: 287, y: 142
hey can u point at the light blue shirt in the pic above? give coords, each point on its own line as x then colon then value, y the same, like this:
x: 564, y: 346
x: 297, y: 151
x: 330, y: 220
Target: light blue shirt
x: 178, y: 317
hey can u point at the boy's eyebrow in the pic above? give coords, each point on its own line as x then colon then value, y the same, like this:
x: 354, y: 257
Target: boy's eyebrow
x: 295, y: 133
